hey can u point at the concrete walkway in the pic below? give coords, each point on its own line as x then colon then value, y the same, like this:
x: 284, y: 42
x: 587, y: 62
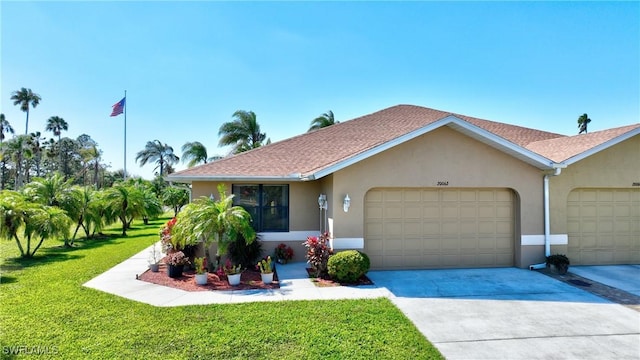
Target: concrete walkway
x: 504, y: 313
x: 294, y: 285
x: 623, y: 277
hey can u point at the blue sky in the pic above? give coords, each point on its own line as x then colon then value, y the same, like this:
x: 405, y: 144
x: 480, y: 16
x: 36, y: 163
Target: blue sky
x: 188, y: 66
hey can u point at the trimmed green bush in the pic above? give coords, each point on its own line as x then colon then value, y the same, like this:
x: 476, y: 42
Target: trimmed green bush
x: 348, y: 266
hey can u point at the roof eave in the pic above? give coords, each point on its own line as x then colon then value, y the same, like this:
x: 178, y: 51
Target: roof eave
x: 458, y: 124
x: 605, y: 145
x: 222, y: 178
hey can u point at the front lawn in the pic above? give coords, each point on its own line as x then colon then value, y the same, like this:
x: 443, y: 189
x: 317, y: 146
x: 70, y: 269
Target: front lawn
x: 44, y: 308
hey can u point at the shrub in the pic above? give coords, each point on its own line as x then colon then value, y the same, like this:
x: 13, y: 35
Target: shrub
x: 318, y: 253
x: 558, y: 259
x: 348, y: 266
x: 241, y: 253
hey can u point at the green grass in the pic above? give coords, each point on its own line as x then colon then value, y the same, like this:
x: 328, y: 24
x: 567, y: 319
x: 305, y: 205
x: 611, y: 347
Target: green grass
x: 43, y: 304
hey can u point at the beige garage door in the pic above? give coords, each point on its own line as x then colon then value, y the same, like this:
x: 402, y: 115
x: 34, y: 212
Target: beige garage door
x: 604, y: 226
x: 439, y: 228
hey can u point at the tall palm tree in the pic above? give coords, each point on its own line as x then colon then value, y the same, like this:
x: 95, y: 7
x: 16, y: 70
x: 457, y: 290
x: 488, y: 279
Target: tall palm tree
x: 215, y: 221
x: 25, y: 98
x: 36, y: 149
x: 243, y: 132
x: 194, y: 152
x: 5, y: 127
x: 324, y: 120
x: 156, y: 151
x: 56, y: 125
x: 583, y: 120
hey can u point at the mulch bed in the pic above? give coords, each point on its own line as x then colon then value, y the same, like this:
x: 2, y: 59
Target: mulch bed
x: 250, y: 279
x: 327, y: 281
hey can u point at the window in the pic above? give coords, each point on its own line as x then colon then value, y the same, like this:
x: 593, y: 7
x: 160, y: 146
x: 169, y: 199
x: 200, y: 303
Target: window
x: 267, y: 204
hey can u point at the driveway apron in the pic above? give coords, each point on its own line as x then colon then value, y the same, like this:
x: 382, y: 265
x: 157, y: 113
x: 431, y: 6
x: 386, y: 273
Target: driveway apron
x: 510, y: 313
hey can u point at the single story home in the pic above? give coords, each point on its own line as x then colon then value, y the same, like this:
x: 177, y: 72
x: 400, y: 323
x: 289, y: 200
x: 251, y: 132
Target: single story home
x: 418, y: 188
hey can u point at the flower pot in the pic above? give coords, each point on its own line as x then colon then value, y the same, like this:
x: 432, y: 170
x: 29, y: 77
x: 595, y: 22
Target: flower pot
x: 201, y: 279
x: 267, y: 278
x: 234, y: 279
x: 154, y: 267
x: 282, y: 261
x: 175, y: 271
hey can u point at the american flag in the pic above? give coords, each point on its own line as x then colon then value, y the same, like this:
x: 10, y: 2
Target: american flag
x: 118, y: 107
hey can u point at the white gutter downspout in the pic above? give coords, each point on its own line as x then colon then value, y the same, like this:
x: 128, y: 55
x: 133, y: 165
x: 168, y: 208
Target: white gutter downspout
x: 547, y: 227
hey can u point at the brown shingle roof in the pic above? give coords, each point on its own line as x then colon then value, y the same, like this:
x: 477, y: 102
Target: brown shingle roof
x: 564, y: 148
x: 308, y: 153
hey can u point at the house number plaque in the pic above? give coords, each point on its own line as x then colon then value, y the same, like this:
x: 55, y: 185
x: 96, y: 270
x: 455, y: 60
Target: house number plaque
x: 635, y: 184
x: 442, y: 183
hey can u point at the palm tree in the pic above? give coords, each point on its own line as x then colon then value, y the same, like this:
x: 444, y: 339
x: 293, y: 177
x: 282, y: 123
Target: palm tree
x: 194, y: 152
x: 36, y: 149
x: 323, y: 120
x: 123, y: 202
x: 5, y: 127
x: 26, y: 98
x: 215, y: 221
x: 19, y: 150
x: 37, y: 221
x: 583, y: 120
x: 243, y: 133
x: 56, y: 124
x: 157, y: 152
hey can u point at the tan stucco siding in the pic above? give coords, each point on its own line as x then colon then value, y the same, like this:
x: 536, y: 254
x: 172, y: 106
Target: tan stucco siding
x: 445, y: 156
x: 617, y: 167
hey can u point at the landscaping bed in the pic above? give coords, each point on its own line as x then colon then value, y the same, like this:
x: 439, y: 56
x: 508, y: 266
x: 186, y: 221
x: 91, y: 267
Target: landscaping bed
x: 326, y: 281
x: 250, y: 279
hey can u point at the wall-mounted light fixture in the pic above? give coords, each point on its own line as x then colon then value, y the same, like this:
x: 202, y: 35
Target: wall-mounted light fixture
x: 346, y: 204
x: 322, y: 201
x: 323, y: 204
x: 211, y: 197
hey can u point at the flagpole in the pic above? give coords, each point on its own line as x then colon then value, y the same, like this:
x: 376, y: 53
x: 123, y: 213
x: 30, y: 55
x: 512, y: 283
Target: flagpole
x: 125, y: 136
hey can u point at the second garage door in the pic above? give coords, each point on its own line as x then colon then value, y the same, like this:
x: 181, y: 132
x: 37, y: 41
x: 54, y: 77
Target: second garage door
x: 412, y: 228
x: 604, y: 226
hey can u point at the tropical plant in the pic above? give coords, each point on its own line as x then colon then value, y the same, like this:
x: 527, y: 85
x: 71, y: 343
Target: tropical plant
x: 19, y: 151
x: 156, y: 151
x: 583, y: 121
x: 37, y: 222
x: 324, y: 120
x: 25, y: 98
x: 318, y: 253
x: 195, y: 153
x: 243, y: 132
x: 265, y: 265
x: 56, y: 125
x: 175, y: 197
x: 242, y: 252
x: 283, y: 253
x: 213, y: 221
x: 200, y: 265
x: 123, y: 202
x: 230, y: 269
x: 5, y: 127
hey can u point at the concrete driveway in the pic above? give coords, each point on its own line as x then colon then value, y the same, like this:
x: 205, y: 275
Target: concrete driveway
x: 511, y: 313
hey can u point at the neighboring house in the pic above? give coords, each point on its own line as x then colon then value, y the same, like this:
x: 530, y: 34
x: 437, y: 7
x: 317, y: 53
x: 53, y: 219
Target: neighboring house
x: 432, y: 189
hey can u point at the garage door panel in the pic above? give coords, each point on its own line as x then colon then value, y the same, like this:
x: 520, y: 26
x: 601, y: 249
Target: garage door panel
x: 434, y: 228
x: 602, y: 225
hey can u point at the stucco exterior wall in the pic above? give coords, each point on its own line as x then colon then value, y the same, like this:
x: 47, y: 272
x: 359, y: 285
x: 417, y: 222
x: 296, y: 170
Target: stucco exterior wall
x: 615, y: 167
x: 443, y: 155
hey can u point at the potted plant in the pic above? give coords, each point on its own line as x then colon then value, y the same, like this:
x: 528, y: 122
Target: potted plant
x: 175, y: 263
x: 558, y: 263
x: 154, y: 258
x: 233, y: 273
x: 201, y: 271
x: 283, y: 253
x: 266, y: 270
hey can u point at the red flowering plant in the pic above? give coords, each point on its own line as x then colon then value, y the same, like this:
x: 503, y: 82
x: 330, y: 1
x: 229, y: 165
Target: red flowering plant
x: 318, y: 253
x: 283, y: 253
x: 165, y: 236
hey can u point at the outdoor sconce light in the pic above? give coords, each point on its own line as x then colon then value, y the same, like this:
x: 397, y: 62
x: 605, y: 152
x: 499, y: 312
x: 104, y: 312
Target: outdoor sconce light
x: 346, y: 203
x: 211, y: 197
x: 322, y: 201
